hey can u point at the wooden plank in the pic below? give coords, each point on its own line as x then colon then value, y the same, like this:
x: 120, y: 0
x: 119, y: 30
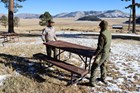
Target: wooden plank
x: 61, y: 64
x: 74, y: 48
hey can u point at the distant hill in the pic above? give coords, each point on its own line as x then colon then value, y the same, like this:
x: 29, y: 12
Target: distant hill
x: 79, y: 14
x: 27, y: 15
x: 106, y: 14
x: 90, y: 18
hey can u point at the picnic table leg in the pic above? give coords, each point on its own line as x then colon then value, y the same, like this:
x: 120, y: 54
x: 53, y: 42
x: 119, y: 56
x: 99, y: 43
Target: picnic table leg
x: 54, y: 55
x: 3, y: 43
x: 69, y: 54
x: 10, y: 38
x: 18, y: 38
x: 5, y: 39
x: 13, y: 38
x: 59, y: 54
x: 86, y: 65
x: 89, y: 64
x: 84, y: 60
x: 71, y: 78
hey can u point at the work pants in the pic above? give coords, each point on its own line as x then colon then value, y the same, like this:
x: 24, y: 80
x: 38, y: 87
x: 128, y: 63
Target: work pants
x: 100, y: 61
x: 51, y: 52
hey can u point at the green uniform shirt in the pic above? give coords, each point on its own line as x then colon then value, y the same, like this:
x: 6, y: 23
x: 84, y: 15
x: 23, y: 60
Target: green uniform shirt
x: 104, y: 42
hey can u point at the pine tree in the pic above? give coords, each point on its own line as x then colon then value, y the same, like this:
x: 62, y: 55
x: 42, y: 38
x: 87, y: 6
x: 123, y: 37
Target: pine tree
x: 44, y: 18
x: 12, y: 7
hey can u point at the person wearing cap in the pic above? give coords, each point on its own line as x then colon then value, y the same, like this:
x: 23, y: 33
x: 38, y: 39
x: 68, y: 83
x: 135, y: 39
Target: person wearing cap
x: 101, y: 54
x: 48, y: 34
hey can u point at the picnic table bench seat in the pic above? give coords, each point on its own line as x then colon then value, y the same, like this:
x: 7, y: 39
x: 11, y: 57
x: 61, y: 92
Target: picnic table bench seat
x: 66, y: 66
x: 117, y: 26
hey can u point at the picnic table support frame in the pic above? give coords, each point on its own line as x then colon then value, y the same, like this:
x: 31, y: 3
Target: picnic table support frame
x: 60, y: 52
x: 86, y: 61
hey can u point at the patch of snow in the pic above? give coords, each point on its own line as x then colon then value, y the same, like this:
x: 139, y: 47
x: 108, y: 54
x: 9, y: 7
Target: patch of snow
x: 31, y: 64
x: 109, y: 78
x: 50, y: 68
x: 113, y: 87
x: 119, y: 81
x: 125, y: 57
x: 2, y: 78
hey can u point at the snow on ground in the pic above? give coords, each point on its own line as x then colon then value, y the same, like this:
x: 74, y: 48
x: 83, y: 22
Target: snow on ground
x: 124, y: 56
x: 3, y: 77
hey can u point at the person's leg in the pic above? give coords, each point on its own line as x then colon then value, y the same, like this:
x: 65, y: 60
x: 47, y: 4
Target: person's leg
x: 103, y: 71
x: 94, y: 67
x: 93, y: 74
x: 55, y: 53
x: 103, y: 68
x: 49, y: 51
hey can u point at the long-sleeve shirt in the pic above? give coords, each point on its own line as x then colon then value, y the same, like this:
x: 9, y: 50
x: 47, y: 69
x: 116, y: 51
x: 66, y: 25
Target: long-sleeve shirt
x: 104, y: 42
x: 49, y: 34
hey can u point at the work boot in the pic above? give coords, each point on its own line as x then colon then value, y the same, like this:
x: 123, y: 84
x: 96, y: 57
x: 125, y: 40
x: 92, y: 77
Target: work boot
x: 92, y: 84
x: 102, y: 80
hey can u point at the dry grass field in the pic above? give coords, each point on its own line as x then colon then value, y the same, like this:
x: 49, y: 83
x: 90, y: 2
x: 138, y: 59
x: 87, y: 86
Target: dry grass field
x: 20, y: 73
x: 71, y: 24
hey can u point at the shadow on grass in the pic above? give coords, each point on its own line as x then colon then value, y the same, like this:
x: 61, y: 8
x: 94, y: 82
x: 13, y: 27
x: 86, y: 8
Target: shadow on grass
x: 29, y: 35
x: 31, y: 68
x: 61, y: 35
x: 77, y: 36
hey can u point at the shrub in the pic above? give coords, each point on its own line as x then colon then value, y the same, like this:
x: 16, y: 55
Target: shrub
x: 4, y: 21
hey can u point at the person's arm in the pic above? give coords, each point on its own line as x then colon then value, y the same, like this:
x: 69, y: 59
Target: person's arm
x: 43, y: 35
x: 55, y: 35
x: 100, y: 46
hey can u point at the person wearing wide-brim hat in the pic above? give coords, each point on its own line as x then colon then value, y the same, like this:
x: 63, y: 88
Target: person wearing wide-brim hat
x: 48, y: 34
x: 101, y: 55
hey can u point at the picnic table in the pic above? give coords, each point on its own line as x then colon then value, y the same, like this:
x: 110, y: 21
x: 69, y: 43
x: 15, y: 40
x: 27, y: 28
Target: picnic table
x: 83, y: 52
x: 8, y: 37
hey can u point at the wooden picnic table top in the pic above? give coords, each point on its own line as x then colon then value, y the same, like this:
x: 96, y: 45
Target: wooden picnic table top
x: 71, y: 47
